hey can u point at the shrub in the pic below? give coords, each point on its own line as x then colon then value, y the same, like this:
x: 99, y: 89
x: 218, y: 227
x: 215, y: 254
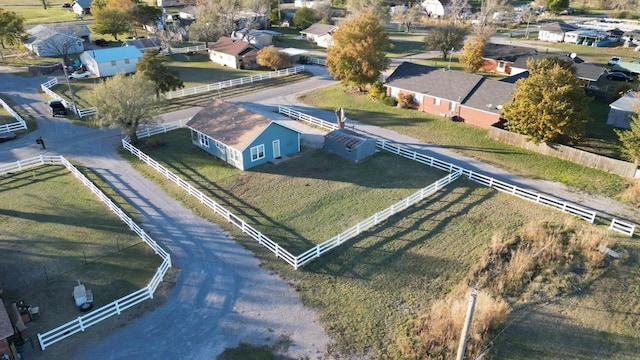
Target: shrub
x: 390, y: 101
x: 377, y: 91
x: 406, y: 101
x: 632, y: 194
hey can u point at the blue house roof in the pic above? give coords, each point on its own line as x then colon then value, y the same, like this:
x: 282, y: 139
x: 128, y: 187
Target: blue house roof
x: 86, y: 4
x: 115, y: 54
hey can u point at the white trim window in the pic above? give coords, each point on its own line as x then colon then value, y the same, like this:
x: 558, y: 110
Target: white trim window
x: 219, y: 145
x: 452, y: 106
x: 257, y: 152
x: 234, y: 156
x: 203, y: 139
x: 436, y: 101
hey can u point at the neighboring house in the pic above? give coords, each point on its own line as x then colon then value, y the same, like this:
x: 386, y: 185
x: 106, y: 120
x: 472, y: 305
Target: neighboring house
x: 188, y: 13
x: 240, y: 137
x: 458, y: 95
x: 520, y: 64
x: 145, y: 44
x: 631, y: 37
x: 251, y: 20
x: 349, y: 145
x: 622, y: 110
x: 234, y: 53
x: 82, y: 7
x: 321, y: 34
x: 169, y: 3
x: 112, y: 61
x: 45, y: 41
x: 259, y: 38
x: 555, y: 32
x: 498, y: 58
x: 435, y: 8
x: 588, y: 72
x: 6, y: 330
x: 304, y: 3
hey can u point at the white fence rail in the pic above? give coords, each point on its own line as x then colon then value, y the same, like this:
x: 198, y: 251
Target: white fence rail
x: 146, y: 132
x: 46, y: 88
x: 317, y: 61
x: 375, y: 219
x: 20, y: 124
x: 115, y: 308
x: 232, y: 82
x: 297, y: 115
x: 182, y: 50
x: 622, y: 227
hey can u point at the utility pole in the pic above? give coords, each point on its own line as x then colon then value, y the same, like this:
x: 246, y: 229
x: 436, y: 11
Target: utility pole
x: 73, y: 98
x: 467, y: 325
x: 450, y: 55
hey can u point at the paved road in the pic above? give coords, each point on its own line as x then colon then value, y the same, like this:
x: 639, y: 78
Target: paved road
x: 221, y: 296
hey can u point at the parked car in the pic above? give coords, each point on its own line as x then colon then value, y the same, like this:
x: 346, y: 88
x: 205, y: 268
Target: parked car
x: 56, y: 107
x: 619, y: 76
x: 614, y: 60
x: 80, y: 74
x: 101, y: 42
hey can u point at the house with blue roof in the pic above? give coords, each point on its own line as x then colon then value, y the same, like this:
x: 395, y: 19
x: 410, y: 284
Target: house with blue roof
x: 241, y: 138
x: 112, y: 61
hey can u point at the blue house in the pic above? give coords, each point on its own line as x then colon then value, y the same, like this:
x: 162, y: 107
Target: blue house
x: 240, y: 137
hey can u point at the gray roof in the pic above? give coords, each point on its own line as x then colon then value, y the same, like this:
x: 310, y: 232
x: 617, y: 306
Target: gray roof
x: 627, y: 103
x: 145, y: 43
x: 521, y: 62
x: 588, y: 71
x: 319, y: 29
x: 559, y: 27
x: 436, y: 82
x: 490, y: 95
x: 506, y: 52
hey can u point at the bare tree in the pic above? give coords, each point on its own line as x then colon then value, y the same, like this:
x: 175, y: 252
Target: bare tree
x: 487, y: 8
x: 458, y: 8
x: 60, y: 42
x: 374, y: 7
x: 408, y: 17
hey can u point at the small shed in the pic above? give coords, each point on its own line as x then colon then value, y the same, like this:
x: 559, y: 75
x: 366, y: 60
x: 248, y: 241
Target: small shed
x: 240, y: 137
x: 82, y: 7
x: 236, y: 54
x: 112, y: 61
x: 349, y: 145
x: 622, y: 110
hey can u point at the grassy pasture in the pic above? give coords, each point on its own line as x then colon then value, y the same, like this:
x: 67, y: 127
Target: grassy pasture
x: 34, y: 13
x: 31, y: 122
x: 404, y: 44
x: 367, y: 291
x: 5, y: 117
x: 56, y: 232
x: 467, y: 140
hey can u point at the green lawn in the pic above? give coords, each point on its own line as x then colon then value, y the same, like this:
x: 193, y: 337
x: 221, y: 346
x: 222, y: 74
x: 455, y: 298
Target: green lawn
x: 5, y: 117
x: 466, y: 140
x: 56, y: 232
x: 291, y: 38
x: 31, y: 122
x: 368, y: 291
x: 34, y: 13
x: 405, y: 44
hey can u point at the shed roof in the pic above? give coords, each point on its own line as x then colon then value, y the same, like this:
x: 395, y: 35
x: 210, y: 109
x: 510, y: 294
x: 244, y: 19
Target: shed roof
x: 228, y: 123
x: 114, y: 54
x: 631, y: 67
x: 6, y: 329
x: 627, y: 103
x: 319, y: 29
x: 346, y: 137
x: 437, y: 82
x: 85, y: 4
x: 588, y: 71
x: 227, y: 45
x: 506, y: 52
x: 145, y: 43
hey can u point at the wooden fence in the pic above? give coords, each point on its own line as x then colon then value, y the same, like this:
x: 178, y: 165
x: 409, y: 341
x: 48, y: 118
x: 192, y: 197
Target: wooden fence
x: 20, y: 124
x: 615, y: 166
x: 626, y: 228
x: 233, y: 82
x: 116, y: 307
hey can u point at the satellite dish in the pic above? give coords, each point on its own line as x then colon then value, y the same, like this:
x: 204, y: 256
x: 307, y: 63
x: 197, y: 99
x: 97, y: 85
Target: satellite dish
x: 573, y: 55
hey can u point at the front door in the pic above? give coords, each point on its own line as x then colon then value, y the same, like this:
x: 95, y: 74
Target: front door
x: 276, y: 149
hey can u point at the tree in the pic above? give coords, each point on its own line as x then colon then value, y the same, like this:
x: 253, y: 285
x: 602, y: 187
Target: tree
x: 144, y: 14
x: 152, y: 67
x: 549, y: 105
x: 62, y: 42
x: 409, y: 16
x: 304, y: 17
x: 445, y: 38
x: 11, y: 29
x: 111, y: 21
x: 272, y: 58
x: 127, y: 102
x: 375, y: 7
x: 357, y: 56
x: 630, y: 139
x: 472, y: 53
x: 555, y: 6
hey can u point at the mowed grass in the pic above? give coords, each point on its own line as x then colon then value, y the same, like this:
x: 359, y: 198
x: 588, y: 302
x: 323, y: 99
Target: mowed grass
x: 34, y: 13
x: 467, y: 140
x: 368, y: 290
x: 303, y: 201
x: 56, y: 232
x: 31, y: 122
x: 5, y: 117
x: 404, y: 44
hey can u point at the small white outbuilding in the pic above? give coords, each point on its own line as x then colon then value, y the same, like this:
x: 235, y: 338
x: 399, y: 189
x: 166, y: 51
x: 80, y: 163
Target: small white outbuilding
x: 112, y: 61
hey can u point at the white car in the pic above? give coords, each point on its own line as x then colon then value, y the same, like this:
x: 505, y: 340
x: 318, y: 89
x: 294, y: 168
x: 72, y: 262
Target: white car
x: 80, y: 74
x: 614, y: 60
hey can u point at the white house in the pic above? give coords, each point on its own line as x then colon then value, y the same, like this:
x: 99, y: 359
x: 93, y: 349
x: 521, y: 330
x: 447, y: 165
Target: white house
x: 555, y: 32
x: 321, y: 34
x: 236, y: 54
x: 304, y: 3
x: 112, y: 61
x: 48, y: 41
x: 259, y: 38
x: 169, y: 3
x: 82, y: 7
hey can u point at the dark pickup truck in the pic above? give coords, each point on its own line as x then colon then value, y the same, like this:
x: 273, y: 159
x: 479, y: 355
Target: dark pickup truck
x: 57, y: 108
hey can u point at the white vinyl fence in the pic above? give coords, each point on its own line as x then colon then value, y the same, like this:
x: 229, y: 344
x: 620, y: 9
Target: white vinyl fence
x: 80, y: 112
x: 232, y: 82
x: 564, y: 206
x: 317, y: 61
x: 182, y: 50
x: 20, y: 124
x: 116, y: 307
